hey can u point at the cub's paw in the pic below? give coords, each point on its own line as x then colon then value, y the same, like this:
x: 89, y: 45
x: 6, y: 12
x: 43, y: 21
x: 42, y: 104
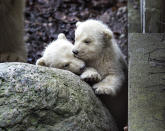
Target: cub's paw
x: 90, y: 76
x: 11, y: 57
x: 103, y: 90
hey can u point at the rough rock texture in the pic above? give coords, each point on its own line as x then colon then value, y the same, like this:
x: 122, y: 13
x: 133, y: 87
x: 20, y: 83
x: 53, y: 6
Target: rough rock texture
x: 146, y: 82
x: 36, y: 98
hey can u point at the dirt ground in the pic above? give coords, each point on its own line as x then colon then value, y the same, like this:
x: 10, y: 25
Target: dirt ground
x: 45, y: 19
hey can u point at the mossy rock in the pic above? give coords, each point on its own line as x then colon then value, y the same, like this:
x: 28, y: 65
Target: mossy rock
x: 36, y: 98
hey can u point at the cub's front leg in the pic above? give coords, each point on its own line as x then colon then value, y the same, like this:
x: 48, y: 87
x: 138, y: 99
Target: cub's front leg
x: 110, y: 85
x: 90, y: 75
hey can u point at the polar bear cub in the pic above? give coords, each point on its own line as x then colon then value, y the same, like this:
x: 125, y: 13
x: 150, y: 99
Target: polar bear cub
x: 95, y: 44
x: 59, y: 54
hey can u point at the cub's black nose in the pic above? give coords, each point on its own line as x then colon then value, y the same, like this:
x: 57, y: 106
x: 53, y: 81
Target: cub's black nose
x: 82, y: 68
x: 75, y: 52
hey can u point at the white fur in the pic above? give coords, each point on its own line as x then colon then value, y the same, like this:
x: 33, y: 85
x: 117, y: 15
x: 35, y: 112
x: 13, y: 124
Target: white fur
x: 58, y: 54
x: 101, y: 53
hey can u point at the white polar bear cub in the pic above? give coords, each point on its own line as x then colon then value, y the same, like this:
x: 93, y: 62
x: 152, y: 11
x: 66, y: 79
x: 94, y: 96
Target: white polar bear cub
x: 95, y: 44
x: 59, y: 54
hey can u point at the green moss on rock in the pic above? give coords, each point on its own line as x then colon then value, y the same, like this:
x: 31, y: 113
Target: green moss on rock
x: 36, y: 98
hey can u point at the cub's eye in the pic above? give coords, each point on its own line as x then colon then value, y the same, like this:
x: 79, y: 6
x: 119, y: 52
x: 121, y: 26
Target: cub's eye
x: 87, y: 42
x: 66, y: 65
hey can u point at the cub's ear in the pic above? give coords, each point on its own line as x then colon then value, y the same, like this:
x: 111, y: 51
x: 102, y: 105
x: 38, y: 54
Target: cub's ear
x: 107, y: 34
x: 78, y: 23
x: 41, y: 62
x: 61, y: 36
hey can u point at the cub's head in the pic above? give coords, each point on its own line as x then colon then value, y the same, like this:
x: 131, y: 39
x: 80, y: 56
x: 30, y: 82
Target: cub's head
x: 59, y: 54
x: 91, y: 37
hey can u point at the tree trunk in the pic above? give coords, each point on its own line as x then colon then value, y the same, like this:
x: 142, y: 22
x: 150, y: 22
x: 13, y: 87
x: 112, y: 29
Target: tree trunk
x: 154, y: 21
x: 163, y: 17
x: 134, y: 24
x: 146, y: 82
x: 153, y: 16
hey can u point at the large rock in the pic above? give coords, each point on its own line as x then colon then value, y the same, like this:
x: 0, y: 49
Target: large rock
x: 146, y: 82
x: 36, y: 98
